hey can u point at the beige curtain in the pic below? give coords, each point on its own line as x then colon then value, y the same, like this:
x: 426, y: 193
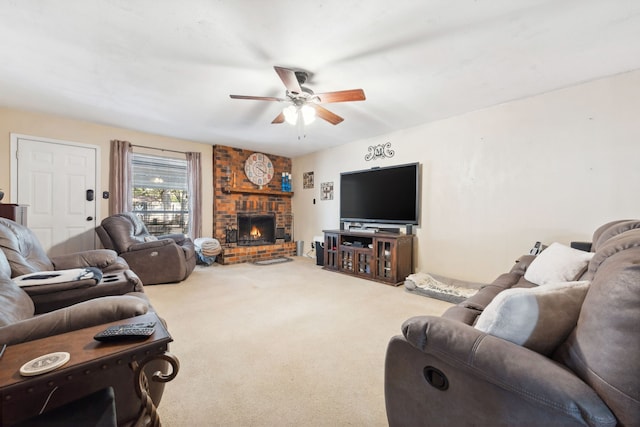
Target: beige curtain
x: 120, y: 177
x: 194, y: 187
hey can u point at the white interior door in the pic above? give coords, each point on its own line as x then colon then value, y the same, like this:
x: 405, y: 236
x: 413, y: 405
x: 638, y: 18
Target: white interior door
x: 54, y: 180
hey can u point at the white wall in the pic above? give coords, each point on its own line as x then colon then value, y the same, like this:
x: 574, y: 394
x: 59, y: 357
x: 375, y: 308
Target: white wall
x: 551, y: 167
x: 68, y: 129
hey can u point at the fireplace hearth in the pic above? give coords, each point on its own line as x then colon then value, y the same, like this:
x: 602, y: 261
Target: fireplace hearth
x: 256, y: 229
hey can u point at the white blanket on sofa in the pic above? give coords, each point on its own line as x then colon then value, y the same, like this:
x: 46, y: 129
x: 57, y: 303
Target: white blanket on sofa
x: 58, y: 276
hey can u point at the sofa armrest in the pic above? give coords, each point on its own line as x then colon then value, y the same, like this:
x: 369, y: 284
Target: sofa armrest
x: 176, y: 237
x: 153, y: 244
x: 508, y: 383
x: 82, y: 315
x: 59, y: 287
x: 522, y: 264
x: 100, y: 258
x: 164, y: 264
x: 119, y: 265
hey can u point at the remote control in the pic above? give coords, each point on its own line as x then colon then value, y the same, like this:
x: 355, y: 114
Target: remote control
x: 126, y: 332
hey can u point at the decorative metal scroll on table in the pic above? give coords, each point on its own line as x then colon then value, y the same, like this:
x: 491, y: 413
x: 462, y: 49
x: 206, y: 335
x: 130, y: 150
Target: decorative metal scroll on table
x: 148, y: 415
x: 379, y: 151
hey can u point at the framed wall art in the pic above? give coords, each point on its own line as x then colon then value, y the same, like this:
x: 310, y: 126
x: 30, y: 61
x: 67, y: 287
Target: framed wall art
x: 326, y: 191
x: 307, y: 180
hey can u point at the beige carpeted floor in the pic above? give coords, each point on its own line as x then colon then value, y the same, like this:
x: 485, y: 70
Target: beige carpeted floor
x: 281, y: 345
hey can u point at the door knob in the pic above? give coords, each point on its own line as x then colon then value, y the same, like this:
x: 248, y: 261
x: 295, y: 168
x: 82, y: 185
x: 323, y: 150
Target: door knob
x: 89, y: 218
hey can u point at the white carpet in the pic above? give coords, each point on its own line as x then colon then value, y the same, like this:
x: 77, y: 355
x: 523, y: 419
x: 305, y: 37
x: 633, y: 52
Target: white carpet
x: 282, y: 345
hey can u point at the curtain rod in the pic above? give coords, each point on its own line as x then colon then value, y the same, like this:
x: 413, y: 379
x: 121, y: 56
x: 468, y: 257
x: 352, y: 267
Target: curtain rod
x: 159, y: 149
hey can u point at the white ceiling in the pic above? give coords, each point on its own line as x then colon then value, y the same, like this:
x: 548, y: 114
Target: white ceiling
x: 168, y: 67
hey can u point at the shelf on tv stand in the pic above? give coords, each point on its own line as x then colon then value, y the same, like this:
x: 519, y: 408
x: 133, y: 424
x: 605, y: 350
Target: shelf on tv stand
x: 380, y: 256
x: 363, y: 230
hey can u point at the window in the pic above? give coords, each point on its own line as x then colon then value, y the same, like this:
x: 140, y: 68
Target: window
x: 160, y: 193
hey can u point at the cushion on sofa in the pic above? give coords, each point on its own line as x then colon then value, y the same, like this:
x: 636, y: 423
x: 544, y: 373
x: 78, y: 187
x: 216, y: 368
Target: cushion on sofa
x: 558, y: 263
x: 612, y: 229
x: 612, y: 246
x: 539, y: 318
x: 22, y: 249
x: 15, y: 304
x: 78, y: 316
x: 603, y: 349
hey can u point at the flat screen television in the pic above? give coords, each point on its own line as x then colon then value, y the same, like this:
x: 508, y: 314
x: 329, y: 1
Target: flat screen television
x: 386, y: 195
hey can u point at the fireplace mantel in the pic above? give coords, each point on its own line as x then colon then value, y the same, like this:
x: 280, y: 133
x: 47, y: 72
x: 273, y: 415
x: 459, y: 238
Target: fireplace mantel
x: 258, y: 191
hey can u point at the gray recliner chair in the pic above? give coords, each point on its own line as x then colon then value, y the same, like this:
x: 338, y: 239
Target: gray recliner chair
x: 162, y: 259
x: 25, y: 255
x: 20, y: 321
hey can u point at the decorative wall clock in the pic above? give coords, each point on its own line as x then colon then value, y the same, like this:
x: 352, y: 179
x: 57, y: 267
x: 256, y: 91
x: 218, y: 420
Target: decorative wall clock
x: 258, y: 169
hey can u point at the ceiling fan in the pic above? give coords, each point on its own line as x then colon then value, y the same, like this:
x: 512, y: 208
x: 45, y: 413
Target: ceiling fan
x: 304, y: 103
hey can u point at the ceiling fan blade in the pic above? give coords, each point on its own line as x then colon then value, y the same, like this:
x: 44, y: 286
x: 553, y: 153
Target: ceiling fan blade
x: 341, y: 96
x: 258, y: 98
x: 327, y: 115
x: 278, y: 119
x: 289, y: 79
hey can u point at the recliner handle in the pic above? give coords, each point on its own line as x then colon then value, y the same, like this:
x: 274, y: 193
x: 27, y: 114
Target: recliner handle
x: 436, y: 378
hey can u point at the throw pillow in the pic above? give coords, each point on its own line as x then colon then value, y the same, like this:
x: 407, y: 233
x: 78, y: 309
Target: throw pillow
x: 539, y: 318
x: 557, y: 263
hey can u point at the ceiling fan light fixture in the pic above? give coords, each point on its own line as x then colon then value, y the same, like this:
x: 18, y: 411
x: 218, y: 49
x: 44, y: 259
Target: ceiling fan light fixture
x: 304, y: 104
x: 308, y: 114
x: 294, y: 114
x: 290, y: 114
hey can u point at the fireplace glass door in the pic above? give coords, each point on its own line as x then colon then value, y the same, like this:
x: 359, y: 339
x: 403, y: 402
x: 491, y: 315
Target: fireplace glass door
x: 256, y: 229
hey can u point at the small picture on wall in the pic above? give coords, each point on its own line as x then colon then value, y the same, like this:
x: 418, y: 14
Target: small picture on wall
x: 307, y: 180
x: 326, y: 191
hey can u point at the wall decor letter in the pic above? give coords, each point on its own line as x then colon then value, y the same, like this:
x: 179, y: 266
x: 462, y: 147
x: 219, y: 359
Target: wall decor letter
x: 379, y: 151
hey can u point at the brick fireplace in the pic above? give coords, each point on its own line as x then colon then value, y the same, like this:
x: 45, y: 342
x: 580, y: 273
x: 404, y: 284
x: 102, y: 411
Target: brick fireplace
x: 239, y: 204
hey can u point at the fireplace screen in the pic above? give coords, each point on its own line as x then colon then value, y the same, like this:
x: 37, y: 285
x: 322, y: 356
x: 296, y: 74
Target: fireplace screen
x: 256, y: 229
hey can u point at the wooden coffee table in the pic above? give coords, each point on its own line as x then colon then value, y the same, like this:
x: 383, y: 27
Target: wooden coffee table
x: 93, y: 366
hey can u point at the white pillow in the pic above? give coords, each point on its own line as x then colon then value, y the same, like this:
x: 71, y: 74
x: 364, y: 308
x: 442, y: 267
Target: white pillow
x: 539, y: 318
x: 557, y: 263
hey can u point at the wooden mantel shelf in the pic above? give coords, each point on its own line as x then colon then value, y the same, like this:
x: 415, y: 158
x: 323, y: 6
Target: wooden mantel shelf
x: 258, y: 191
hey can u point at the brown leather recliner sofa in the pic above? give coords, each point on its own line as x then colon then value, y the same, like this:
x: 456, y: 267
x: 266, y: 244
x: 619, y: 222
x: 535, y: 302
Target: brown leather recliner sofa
x: 448, y: 370
x: 31, y: 313
x: 162, y: 259
x: 25, y: 255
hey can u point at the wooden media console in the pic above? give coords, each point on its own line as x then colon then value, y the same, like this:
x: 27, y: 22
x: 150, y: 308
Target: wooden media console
x: 381, y: 256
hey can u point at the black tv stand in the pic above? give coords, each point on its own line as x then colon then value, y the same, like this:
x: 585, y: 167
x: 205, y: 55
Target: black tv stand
x: 381, y: 256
